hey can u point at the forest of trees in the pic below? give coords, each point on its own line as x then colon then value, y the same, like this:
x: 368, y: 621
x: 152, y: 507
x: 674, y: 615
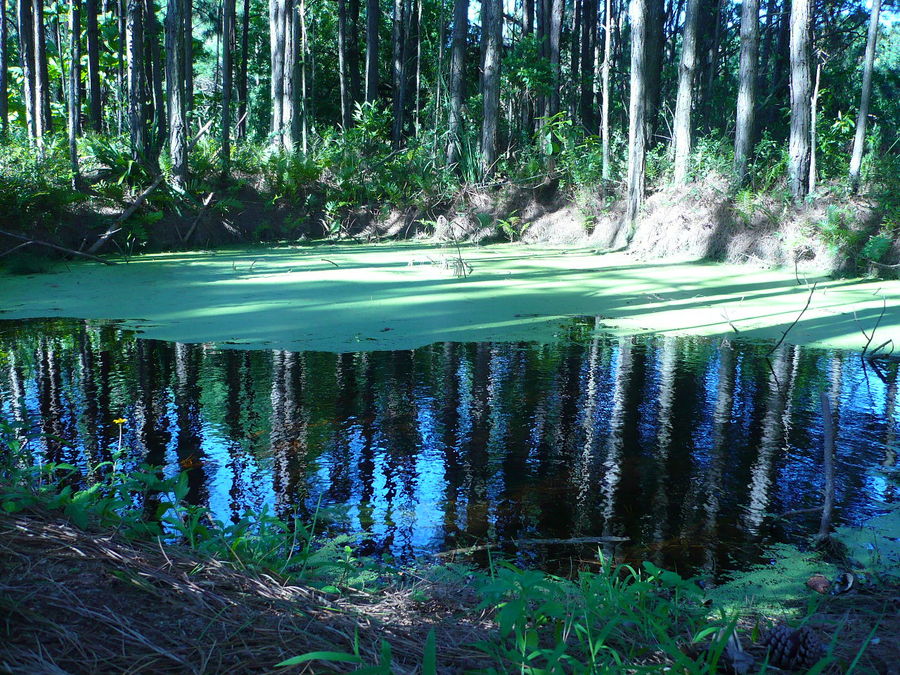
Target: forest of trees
x: 613, y: 93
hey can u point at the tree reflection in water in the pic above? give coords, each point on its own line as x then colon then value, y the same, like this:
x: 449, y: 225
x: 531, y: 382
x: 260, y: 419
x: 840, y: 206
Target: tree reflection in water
x: 685, y: 446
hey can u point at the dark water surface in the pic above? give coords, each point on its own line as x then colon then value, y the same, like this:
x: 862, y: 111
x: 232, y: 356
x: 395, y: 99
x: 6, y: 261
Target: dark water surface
x: 687, y: 447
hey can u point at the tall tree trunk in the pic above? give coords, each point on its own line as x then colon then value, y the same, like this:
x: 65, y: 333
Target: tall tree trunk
x: 655, y: 30
x: 4, y: 75
x: 588, y: 39
x: 304, y: 97
x: 343, y: 83
x: 746, y: 101
x: 189, y: 58
x: 241, y: 130
x: 859, y: 140
x: 373, y: 18
x: 493, y: 25
x: 604, y: 112
x: 457, y: 81
x: 556, y: 21
x: 353, y: 52
x: 228, y: 21
x: 637, y: 108
x: 137, y: 91
x: 74, y: 86
x: 813, y: 111
x: 276, y: 53
x: 121, y: 79
x: 681, y: 126
x: 399, y: 79
x: 155, y: 67
x: 801, y: 97
x: 578, y: 10
x: 42, y: 88
x: 95, y: 109
x: 178, y: 131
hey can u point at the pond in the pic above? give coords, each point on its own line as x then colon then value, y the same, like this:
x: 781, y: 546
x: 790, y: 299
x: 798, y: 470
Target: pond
x: 694, y: 453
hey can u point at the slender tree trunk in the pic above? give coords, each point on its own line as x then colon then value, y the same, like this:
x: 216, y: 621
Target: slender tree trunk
x: 276, y: 52
x: 346, y: 112
x: 178, y: 131
x: 801, y: 97
x: 304, y: 97
x: 812, y: 129
x: 121, y: 80
x: 353, y: 52
x: 137, y: 92
x: 556, y: 21
x: 604, y: 112
x: 859, y: 140
x: 399, y: 79
x: 457, y: 81
x: 373, y: 18
x: 155, y: 67
x: 241, y: 130
x: 493, y: 22
x: 637, y: 113
x: 95, y: 109
x: 746, y: 102
x: 228, y: 21
x: 189, y: 59
x: 577, y: 37
x: 4, y: 75
x: 418, y: 82
x: 42, y: 88
x: 655, y: 30
x: 290, y: 111
x: 74, y: 86
x: 681, y: 126
x: 588, y: 38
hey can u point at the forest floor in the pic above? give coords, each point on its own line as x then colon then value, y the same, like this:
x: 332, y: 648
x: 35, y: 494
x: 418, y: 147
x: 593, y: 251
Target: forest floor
x: 339, y: 297
x: 86, y: 602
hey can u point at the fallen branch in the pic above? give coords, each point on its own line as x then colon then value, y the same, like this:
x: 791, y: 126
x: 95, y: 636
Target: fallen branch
x: 56, y: 247
x: 16, y: 248
x: 799, y: 316
x: 520, y: 542
x: 332, y: 262
x: 870, y: 336
x: 206, y: 203
x: 112, y: 229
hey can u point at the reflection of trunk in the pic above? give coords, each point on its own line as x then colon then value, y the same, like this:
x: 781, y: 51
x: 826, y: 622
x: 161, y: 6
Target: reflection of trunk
x: 288, y: 435
x: 612, y: 463
x: 584, y: 468
x: 772, y: 432
x: 827, y: 467
x: 721, y: 421
x: 668, y: 361
x: 189, y: 439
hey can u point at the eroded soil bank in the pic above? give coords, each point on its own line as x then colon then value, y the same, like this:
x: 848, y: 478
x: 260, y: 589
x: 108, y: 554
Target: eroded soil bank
x: 398, y: 296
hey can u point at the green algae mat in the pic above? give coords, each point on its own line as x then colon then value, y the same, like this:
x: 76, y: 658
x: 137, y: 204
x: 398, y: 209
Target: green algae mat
x: 399, y: 296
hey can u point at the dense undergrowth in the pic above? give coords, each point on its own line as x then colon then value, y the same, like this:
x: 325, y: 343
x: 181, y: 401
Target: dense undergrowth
x: 356, y: 176
x: 621, y: 618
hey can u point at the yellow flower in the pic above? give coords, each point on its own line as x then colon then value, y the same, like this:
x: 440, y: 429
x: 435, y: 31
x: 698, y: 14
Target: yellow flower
x: 119, y: 420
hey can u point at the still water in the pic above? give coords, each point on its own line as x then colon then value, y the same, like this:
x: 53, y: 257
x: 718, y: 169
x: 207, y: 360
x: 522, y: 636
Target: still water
x: 690, y: 450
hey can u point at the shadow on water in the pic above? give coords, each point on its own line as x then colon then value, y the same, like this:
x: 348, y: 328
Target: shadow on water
x: 683, y: 451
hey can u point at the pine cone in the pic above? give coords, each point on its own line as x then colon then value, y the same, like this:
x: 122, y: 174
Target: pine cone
x: 793, y: 649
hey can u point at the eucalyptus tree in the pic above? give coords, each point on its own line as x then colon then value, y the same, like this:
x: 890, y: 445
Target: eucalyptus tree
x: 859, y: 139
x: 681, y: 125
x: 747, y: 75
x: 343, y: 76
x: 800, y: 147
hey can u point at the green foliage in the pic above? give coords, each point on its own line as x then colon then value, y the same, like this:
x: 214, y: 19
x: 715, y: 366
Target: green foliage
x: 140, y: 502
x: 836, y: 230
x: 35, y: 186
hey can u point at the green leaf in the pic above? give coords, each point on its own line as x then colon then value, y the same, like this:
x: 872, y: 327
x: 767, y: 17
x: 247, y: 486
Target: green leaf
x: 334, y: 657
x: 429, y: 655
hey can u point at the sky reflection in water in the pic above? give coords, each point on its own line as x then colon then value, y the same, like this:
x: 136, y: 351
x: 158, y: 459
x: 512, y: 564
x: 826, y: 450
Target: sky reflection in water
x: 684, y: 446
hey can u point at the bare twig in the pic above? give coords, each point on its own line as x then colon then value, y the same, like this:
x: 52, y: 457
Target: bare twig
x: 871, y: 335
x: 57, y: 247
x: 125, y: 215
x: 799, y: 316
